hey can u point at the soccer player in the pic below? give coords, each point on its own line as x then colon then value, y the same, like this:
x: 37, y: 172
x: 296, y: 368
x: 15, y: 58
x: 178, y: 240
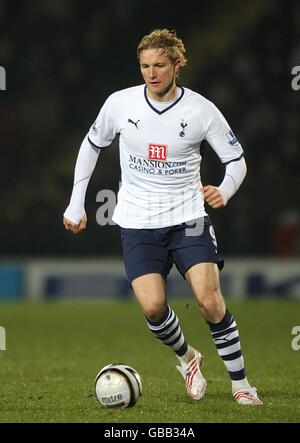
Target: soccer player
x: 160, y: 207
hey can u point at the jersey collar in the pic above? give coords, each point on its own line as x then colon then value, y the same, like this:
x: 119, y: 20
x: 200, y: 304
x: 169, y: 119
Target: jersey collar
x: 166, y: 109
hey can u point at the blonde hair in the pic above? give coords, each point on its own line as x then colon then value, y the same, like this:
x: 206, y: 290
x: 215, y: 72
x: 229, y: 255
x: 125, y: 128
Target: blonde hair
x: 168, y: 41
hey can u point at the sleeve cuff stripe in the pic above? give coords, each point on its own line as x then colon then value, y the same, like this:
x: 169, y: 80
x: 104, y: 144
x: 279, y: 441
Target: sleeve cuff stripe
x: 235, y: 159
x: 95, y: 146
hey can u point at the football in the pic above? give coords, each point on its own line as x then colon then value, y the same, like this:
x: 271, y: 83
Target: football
x: 118, y: 386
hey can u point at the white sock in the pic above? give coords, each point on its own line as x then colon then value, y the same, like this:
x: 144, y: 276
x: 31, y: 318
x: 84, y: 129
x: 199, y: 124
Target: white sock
x: 240, y: 384
x: 187, y: 357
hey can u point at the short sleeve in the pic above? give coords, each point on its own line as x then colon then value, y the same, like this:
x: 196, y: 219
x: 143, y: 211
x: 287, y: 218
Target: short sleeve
x: 220, y: 136
x: 103, y: 130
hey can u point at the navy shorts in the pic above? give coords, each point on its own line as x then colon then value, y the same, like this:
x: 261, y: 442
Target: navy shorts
x: 149, y: 251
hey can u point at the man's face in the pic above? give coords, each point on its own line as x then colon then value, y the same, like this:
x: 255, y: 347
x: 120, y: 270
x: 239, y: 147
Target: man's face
x: 158, y: 72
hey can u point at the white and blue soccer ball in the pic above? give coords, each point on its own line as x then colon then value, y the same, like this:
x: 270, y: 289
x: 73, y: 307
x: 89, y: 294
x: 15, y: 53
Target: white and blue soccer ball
x: 118, y: 385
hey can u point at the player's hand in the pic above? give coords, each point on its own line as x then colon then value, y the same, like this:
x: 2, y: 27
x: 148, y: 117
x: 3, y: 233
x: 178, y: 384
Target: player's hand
x: 73, y: 227
x: 212, y: 196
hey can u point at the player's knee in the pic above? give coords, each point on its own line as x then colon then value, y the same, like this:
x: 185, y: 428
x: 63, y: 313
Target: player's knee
x: 211, y: 302
x: 207, y: 303
x: 154, y: 312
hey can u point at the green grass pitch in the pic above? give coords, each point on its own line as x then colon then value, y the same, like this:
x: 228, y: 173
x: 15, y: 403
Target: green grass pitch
x: 54, y: 350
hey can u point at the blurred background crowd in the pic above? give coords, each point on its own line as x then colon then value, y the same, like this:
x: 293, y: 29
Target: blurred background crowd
x: 64, y: 57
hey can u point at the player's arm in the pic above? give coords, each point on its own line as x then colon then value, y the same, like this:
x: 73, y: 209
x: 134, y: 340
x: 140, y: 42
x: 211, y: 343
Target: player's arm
x: 218, y: 196
x: 75, y: 218
x: 223, y: 141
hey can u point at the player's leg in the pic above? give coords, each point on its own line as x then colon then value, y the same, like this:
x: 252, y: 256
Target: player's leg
x: 150, y: 291
x: 195, y: 253
x: 147, y: 264
x: 205, y: 283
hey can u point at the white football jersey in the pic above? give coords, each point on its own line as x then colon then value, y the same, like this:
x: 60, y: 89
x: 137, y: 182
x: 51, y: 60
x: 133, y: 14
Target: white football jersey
x: 160, y: 154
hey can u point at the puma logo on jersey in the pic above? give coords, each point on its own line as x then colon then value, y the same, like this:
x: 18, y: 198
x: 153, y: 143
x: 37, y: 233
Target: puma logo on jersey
x: 157, y: 152
x: 183, y: 125
x: 134, y: 123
